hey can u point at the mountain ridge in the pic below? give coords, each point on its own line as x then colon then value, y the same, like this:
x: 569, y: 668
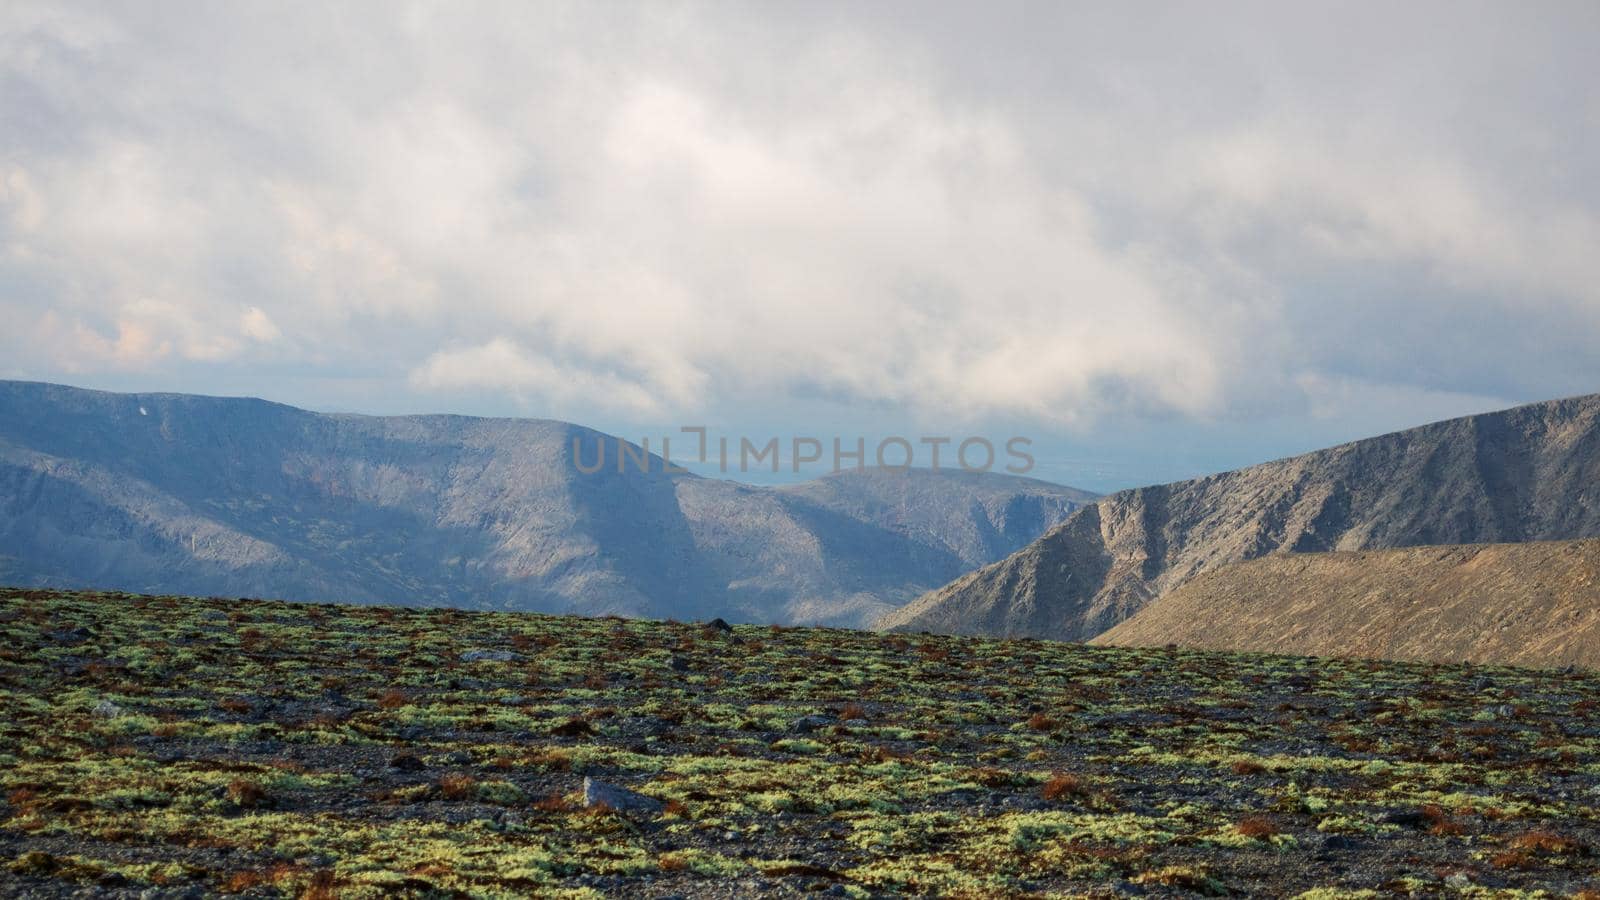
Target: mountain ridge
x: 188, y: 494
x: 1524, y: 473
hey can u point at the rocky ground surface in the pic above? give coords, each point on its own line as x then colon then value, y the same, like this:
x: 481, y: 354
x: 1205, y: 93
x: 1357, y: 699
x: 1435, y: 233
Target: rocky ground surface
x: 170, y: 747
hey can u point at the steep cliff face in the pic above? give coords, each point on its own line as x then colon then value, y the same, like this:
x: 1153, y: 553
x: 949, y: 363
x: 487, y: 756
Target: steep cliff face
x: 204, y: 495
x: 1529, y: 473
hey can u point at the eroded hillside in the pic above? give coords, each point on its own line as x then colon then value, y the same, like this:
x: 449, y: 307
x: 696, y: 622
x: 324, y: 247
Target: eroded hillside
x: 1524, y: 474
x: 1533, y: 604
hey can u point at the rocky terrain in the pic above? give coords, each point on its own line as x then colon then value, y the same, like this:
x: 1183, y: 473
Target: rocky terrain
x: 204, y: 495
x: 171, y: 747
x: 1533, y: 604
x: 1524, y: 474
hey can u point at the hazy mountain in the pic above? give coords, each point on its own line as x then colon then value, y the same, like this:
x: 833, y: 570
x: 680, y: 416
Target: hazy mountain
x: 1534, y: 604
x: 1530, y: 473
x: 205, y: 495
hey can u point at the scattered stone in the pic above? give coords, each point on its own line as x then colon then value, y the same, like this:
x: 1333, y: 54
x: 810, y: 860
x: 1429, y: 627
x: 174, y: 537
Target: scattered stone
x: 573, y: 728
x: 105, y: 709
x: 71, y: 666
x: 808, y: 724
x: 489, y: 656
x: 407, y: 762
x: 622, y: 800
x: 71, y: 635
x: 1339, y: 842
x: 719, y: 625
x: 172, y: 893
x: 1406, y: 819
x: 678, y: 664
x: 34, y: 862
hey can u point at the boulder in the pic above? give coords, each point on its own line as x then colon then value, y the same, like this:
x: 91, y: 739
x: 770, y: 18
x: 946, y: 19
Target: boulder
x: 489, y: 656
x: 808, y: 724
x: 622, y: 800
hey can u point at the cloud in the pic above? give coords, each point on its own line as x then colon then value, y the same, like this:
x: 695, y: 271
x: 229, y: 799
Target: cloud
x: 258, y: 326
x: 503, y: 365
x: 682, y: 210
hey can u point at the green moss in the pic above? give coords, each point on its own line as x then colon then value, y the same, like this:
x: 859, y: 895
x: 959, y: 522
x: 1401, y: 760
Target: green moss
x: 232, y: 736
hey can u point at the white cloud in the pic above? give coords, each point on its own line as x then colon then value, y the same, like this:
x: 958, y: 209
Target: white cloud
x: 258, y: 326
x: 503, y: 365
x: 676, y: 210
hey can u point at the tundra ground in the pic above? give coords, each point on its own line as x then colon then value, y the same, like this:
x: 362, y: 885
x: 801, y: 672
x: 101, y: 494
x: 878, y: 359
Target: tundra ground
x: 165, y: 746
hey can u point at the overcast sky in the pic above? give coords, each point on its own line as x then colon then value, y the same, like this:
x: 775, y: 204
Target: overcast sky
x: 1159, y: 240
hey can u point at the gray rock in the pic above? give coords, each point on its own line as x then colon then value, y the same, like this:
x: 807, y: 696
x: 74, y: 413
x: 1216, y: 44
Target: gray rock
x: 172, y: 893
x: 489, y: 656
x: 407, y: 762
x: 808, y: 724
x: 622, y: 800
x: 105, y: 709
x: 1340, y: 843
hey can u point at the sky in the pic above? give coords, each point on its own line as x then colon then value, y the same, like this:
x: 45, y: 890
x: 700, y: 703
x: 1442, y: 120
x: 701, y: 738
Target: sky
x: 1157, y: 240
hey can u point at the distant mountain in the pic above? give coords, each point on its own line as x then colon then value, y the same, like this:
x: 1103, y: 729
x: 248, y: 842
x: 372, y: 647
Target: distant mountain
x: 1534, y: 604
x: 1529, y: 473
x: 205, y: 495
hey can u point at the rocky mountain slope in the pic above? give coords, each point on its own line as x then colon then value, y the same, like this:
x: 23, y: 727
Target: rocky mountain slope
x: 1523, y: 474
x: 204, y: 495
x: 1533, y: 604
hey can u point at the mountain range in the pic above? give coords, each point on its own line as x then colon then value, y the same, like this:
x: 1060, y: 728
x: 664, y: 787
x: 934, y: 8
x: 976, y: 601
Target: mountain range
x: 1525, y: 474
x: 174, y: 493
x: 1370, y: 547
